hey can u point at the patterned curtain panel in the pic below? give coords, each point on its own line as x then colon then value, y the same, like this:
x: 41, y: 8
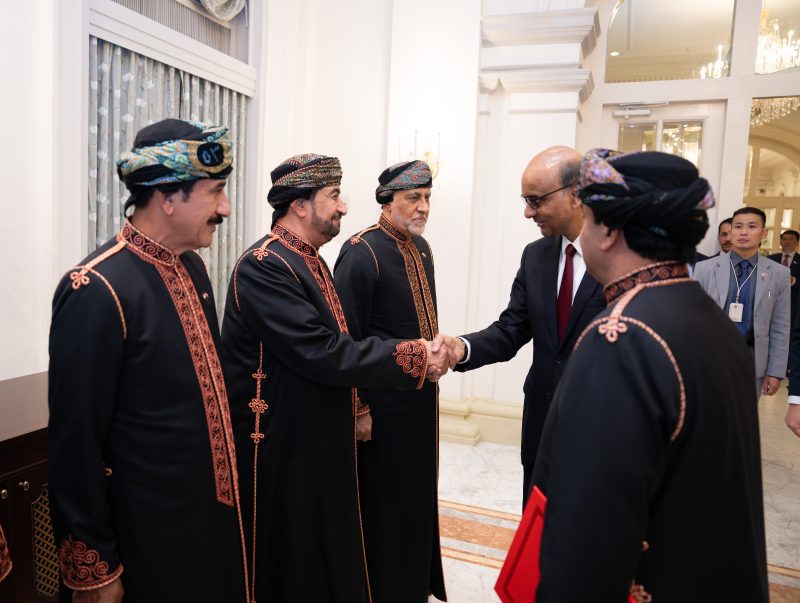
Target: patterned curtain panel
x: 128, y: 91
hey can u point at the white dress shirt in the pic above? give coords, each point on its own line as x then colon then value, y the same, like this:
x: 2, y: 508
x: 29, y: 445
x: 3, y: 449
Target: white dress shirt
x: 578, y: 265
x: 578, y: 270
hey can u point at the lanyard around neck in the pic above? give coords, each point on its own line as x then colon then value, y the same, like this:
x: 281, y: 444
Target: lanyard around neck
x: 736, y: 278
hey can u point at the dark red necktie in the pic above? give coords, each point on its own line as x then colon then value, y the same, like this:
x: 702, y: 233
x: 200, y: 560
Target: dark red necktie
x: 564, y: 303
x: 785, y: 259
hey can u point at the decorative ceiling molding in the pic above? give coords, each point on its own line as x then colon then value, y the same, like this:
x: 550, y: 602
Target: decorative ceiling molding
x: 540, y: 56
x: 539, y: 80
x: 578, y: 25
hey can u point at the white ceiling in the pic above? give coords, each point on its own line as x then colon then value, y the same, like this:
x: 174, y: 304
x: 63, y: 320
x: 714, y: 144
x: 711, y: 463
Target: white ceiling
x: 672, y: 39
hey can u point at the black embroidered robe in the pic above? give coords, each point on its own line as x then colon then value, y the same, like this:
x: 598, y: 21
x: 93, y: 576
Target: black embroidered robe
x: 650, y: 454
x: 142, y: 466
x: 291, y: 370
x: 5, y: 557
x: 386, y: 283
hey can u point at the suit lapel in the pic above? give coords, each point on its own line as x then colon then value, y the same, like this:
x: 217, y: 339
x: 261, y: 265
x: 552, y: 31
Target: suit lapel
x: 549, y: 289
x: 586, y: 290
x: 762, y: 276
x: 723, y: 276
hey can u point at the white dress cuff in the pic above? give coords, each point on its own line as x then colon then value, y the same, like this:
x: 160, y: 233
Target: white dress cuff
x: 469, y: 353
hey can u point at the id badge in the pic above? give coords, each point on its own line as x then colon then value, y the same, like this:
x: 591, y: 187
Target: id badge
x: 735, y: 312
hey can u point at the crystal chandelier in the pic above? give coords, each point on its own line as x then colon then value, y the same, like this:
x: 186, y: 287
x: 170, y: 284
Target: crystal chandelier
x: 775, y: 53
x: 765, y: 110
x: 715, y: 69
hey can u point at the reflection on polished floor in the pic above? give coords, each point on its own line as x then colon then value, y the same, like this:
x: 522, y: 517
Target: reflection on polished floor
x: 480, y: 489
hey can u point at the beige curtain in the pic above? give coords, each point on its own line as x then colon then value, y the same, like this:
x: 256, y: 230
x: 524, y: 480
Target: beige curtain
x: 128, y: 91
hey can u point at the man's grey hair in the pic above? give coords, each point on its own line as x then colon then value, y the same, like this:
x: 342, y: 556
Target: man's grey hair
x: 569, y: 172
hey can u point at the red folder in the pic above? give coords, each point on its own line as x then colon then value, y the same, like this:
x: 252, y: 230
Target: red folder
x: 520, y: 574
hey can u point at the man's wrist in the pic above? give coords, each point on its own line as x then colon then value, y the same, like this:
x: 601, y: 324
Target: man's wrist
x: 794, y: 399
x: 467, y: 352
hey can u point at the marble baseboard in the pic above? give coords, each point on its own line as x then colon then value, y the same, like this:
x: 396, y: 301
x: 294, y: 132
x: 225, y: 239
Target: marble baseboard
x: 477, y: 419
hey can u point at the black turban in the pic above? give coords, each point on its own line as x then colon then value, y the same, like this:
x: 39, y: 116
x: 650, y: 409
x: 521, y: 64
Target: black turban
x: 656, y: 192
x: 402, y: 176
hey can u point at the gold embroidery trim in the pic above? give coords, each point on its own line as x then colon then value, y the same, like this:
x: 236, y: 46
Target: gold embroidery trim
x: 324, y: 282
x: 146, y: 248
x: 259, y: 253
x: 78, y: 276
x: 417, y: 279
x: 420, y: 290
x: 412, y: 357
x: 82, y: 568
x: 358, y: 239
x: 5, y: 557
x: 614, y: 324
x: 358, y: 504
x: 116, y: 301
x: 212, y: 387
x: 258, y: 406
x: 202, y: 259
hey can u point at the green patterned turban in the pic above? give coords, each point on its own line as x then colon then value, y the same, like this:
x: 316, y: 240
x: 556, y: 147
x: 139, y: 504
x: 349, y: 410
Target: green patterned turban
x: 174, y: 150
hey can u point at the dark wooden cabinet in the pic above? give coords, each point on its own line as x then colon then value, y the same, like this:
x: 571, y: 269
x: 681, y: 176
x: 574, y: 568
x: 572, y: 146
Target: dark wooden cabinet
x: 25, y: 517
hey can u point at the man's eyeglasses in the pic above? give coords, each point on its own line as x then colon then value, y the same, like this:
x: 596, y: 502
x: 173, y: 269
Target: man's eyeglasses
x: 535, y: 201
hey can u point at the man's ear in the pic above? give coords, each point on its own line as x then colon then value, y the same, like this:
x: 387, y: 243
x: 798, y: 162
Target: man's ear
x: 299, y: 207
x: 612, y: 238
x: 164, y: 202
x: 575, y: 200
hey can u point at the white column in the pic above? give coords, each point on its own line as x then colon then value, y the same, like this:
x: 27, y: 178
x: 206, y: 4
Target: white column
x: 433, y: 97
x: 34, y: 195
x: 532, y: 86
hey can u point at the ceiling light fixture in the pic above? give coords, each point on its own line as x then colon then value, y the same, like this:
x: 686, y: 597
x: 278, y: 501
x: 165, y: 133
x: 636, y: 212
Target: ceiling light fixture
x: 775, y: 53
x: 717, y: 68
x: 765, y: 110
x: 614, y: 53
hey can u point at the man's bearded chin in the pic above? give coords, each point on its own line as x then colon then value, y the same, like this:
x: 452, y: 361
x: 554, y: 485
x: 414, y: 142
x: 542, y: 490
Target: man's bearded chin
x: 334, y: 226
x: 417, y: 228
x: 330, y: 228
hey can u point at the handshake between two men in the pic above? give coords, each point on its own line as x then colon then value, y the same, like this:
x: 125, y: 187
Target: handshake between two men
x: 444, y: 352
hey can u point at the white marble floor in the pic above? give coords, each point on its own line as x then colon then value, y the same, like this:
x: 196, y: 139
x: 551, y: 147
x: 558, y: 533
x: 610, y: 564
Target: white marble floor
x: 485, y: 475
x: 490, y: 476
x: 780, y: 455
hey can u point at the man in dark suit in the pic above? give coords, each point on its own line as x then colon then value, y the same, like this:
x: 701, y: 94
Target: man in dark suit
x: 789, y: 258
x: 724, y: 237
x: 553, y: 298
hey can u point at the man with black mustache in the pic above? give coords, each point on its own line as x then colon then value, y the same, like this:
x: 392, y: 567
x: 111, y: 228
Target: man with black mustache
x: 141, y: 453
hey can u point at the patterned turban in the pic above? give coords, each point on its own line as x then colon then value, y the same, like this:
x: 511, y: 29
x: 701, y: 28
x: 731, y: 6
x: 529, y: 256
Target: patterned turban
x: 299, y: 176
x: 660, y: 193
x: 174, y: 150
x: 402, y: 176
